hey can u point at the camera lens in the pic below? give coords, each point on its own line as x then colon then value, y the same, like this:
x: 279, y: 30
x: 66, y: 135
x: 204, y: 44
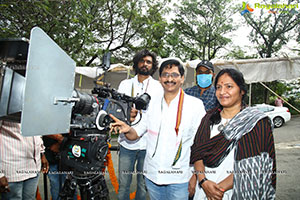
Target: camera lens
x: 105, y: 120
x: 85, y: 105
x: 141, y: 102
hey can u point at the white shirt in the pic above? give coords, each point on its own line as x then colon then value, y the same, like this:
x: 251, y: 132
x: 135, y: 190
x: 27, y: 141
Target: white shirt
x: 129, y: 86
x: 160, y: 120
x: 219, y: 173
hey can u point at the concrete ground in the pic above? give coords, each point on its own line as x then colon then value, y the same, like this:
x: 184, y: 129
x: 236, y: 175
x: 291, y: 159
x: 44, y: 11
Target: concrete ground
x: 287, y: 145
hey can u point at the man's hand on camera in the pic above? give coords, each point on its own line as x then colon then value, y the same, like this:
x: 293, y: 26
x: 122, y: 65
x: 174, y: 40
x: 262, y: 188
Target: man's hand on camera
x: 133, y: 114
x: 119, y: 126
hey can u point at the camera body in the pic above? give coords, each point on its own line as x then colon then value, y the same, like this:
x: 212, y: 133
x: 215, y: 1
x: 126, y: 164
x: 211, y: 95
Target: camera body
x: 86, y: 147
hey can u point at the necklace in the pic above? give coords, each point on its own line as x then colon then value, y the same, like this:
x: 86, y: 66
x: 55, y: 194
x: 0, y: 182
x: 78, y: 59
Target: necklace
x: 222, y: 126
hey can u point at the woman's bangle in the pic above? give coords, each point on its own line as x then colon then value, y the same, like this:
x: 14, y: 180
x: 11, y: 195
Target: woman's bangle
x: 201, y: 182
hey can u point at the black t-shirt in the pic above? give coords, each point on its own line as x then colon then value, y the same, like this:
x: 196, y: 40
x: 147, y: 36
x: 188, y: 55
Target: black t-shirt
x: 52, y: 157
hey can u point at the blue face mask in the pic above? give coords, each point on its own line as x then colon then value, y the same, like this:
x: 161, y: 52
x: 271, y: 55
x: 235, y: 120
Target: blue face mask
x: 204, y: 80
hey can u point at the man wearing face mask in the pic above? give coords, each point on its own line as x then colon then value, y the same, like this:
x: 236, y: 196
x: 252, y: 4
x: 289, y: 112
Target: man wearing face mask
x: 204, y: 89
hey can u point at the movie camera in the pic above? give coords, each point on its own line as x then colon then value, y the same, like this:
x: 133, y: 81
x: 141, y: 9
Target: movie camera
x: 86, y: 148
x: 90, y: 123
x: 42, y: 98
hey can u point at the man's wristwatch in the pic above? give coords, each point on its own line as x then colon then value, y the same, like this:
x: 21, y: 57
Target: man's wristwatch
x: 201, y: 182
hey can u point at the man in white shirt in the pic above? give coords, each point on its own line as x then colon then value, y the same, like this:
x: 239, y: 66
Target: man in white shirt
x: 169, y: 126
x: 133, y: 152
x: 21, y: 159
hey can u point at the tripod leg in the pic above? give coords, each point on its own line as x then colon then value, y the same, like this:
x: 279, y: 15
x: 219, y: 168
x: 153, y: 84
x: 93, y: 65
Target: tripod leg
x: 104, y: 189
x: 69, y: 188
x: 94, y: 189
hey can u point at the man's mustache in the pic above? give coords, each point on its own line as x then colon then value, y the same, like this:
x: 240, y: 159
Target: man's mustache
x: 144, y: 67
x: 166, y: 82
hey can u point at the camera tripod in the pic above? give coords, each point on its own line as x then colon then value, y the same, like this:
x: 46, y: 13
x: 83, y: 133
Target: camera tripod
x: 91, y: 186
x: 83, y: 153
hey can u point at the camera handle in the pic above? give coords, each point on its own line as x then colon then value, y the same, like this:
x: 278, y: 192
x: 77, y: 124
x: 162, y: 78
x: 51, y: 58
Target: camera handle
x: 65, y: 100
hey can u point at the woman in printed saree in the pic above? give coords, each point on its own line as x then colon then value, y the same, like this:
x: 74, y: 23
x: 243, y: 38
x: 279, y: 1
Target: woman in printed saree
x: 233, y: 152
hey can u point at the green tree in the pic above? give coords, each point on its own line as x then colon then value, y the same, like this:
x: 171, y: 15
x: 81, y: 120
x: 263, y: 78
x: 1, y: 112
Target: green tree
x: 239, y: 54
x: 199, y: 28
x: 293, y: 95
x: 272, y: 29
x: 294, y: 88
x: 86, y: 29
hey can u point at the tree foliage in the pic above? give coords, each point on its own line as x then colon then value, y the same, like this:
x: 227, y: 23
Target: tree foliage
x: 239, y: 54
x: 199, y: 28
x: 86, y: 29
x: 272, y: 29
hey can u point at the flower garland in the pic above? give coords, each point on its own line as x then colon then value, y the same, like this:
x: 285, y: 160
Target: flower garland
x: 112, y: 175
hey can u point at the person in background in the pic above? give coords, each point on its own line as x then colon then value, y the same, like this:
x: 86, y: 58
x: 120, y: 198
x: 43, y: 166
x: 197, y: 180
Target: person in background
x: 132, y: 153
x: 233, y: 152
x: 55, y: 175
x: 279, y: 102
x: 169, y: 127
x: 204, y: 89
x: 21, y: 160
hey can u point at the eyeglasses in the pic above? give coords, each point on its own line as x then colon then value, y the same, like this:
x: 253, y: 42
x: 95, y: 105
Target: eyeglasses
x: 167, y: 75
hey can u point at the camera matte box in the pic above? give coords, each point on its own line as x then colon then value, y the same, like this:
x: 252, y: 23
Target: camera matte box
x: 11, y: 95
x: 50, y: 74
